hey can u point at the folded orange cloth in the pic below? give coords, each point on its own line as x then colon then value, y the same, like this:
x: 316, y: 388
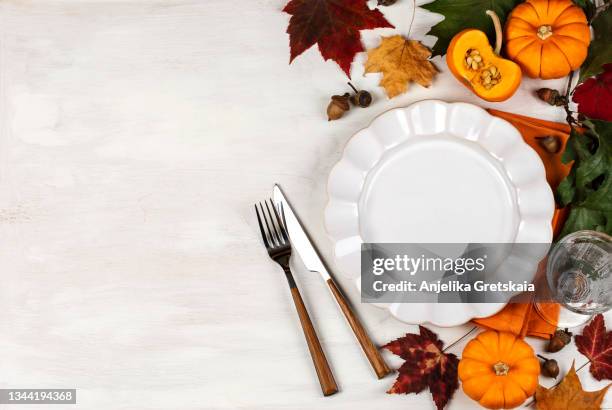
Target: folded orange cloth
x: 522, y: 318
x: 531, y: 129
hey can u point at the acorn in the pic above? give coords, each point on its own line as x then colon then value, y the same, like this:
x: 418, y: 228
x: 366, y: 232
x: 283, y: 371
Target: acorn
x: 552, y: 97
x: 549, y: 367
x: 559, y: 340
x: 554, y: 345
x: 337, y: 106
x: 550, y: 143
x: 386, y: 2
x: 361, y: 98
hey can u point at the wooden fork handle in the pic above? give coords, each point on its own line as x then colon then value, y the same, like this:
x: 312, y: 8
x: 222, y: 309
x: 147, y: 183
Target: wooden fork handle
x: 326, y: 378
x: 371, y: 352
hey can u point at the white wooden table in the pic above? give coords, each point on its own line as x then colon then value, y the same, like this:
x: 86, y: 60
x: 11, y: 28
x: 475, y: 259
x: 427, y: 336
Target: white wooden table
x: 134, y: 138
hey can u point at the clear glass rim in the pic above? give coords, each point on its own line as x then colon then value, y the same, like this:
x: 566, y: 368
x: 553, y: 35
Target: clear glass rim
x: 567, y: 238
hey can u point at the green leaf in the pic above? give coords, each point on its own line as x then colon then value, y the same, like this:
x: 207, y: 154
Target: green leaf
x: 462, y: 14
x: 581, y: 218
x: 588, y: 187
x: 570, y: 153
x: 600, y: 51
x: 594, y: 165
x: 601, y: 199
x: 566, y: 189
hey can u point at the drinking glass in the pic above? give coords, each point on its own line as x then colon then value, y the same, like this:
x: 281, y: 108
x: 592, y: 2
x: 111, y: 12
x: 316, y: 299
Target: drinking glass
x: 578, y: 277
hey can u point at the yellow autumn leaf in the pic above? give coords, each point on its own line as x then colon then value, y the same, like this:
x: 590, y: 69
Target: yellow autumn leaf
x: 400, y: 61
x: 568, y: 395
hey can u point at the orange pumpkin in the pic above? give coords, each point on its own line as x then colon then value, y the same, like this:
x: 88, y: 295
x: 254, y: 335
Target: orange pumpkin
x: 498, y: 370
x: 476, y: 65
x: 547, y: 38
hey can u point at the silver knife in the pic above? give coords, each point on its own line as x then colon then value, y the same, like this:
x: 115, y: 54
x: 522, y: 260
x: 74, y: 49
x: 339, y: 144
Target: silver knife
x: 310, y: 256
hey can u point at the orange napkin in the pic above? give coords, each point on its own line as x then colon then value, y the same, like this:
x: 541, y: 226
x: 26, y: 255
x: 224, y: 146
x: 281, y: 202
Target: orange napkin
x: 522, y: 318
x: 530, y: 129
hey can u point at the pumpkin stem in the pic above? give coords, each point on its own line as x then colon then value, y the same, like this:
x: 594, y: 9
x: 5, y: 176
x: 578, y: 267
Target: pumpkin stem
x: 544, y: 32
x: 501, y: 368
x: 498, y: 30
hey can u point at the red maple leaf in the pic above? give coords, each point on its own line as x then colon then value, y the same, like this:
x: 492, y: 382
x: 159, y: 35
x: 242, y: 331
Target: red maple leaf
x: 332, y: 24
x: 593, y: 95
x: 596, y: 344
x: 426, y: 365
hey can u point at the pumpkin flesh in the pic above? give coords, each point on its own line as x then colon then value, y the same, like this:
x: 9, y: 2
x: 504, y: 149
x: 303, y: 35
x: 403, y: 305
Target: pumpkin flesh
x: 509, y: 73
x: 548, y: 39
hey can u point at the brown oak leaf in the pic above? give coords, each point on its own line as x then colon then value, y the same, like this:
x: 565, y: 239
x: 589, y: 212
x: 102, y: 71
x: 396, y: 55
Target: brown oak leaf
x: 401, y: 61
x: 596, y: 344
x: 332, y: 24
x: 568, y: 395
x: 426, y: 365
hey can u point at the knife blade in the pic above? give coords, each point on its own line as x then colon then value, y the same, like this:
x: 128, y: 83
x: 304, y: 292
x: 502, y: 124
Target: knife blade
x: 304, y: 246
x: 298, y: 236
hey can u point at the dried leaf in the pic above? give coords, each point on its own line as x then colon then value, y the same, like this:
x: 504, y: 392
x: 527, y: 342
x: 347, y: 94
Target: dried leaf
x: 425, y: 365
x: 590, y: 94
x: 332, y: 24
x: 401, y: 61
x: 568, y: 395
x: 596, y: 344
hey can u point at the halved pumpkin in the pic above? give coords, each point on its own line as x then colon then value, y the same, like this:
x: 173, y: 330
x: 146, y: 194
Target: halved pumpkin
x: 476, y: 65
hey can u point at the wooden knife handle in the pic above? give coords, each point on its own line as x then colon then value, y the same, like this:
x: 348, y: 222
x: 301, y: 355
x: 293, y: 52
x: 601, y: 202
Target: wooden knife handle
x: 326, y: 378
x: 371, y: 352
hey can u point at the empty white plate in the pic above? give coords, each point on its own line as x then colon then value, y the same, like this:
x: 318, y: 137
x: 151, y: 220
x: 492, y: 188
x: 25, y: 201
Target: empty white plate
x: 437, y: 172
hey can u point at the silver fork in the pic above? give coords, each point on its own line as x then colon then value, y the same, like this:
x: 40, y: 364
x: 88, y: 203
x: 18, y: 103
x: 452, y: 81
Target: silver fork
x: 276, y: 240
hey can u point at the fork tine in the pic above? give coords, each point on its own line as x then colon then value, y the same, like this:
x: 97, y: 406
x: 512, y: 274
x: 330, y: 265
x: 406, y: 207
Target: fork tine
x: 277, y: 236
x: 281, y: 222
x: 261, y: 228
x: 271, y: 236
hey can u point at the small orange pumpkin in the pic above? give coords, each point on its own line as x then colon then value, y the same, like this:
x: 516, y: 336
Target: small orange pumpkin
x: 476, y: 65
x: 547, y: 38
x: 498, y: 370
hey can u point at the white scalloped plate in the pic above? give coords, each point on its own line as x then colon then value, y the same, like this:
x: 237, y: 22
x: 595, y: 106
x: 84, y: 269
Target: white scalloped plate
x: 437, y: 172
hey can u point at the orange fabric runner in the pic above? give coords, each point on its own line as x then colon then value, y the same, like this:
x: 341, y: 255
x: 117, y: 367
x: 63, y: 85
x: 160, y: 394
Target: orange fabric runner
x: 521, y: 318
